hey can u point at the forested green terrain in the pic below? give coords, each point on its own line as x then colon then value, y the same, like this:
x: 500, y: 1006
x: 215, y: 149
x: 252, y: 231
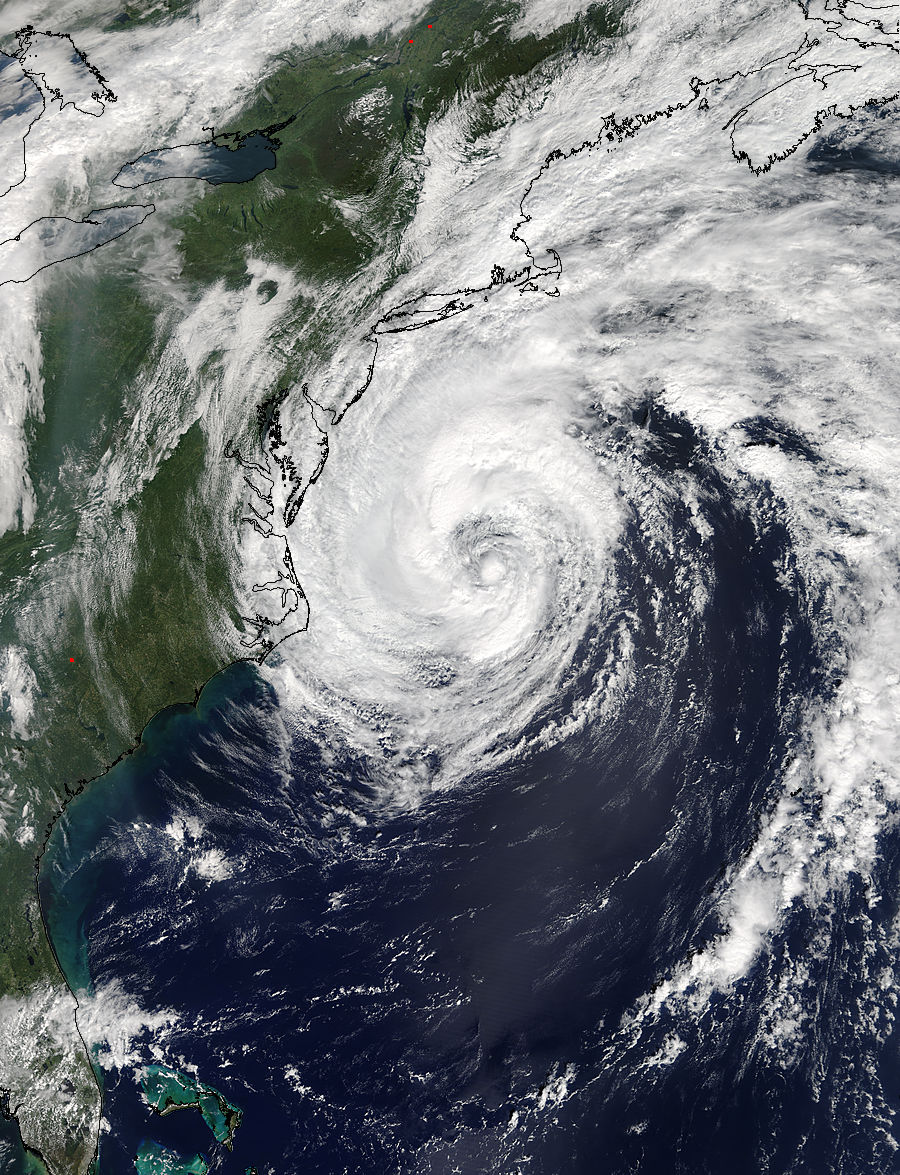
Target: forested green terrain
x: 122, y: 603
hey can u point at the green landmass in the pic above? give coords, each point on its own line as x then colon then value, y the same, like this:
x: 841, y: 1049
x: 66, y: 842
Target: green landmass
x: 169, y: 1089
x: 122, y: 608
x: 351, y: 120
x: 153, y: 1159
x: 134, y: 13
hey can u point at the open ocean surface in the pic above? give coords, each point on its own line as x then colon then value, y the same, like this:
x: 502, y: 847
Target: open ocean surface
x: 444, y: 988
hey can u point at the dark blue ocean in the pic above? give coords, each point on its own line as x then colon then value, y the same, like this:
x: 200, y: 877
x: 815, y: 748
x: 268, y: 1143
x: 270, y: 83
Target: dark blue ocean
x: 443, y: 990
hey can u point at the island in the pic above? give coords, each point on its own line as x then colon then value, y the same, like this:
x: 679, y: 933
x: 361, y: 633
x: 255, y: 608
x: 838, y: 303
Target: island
x: 169, y: 1089
x: 153, y: 1159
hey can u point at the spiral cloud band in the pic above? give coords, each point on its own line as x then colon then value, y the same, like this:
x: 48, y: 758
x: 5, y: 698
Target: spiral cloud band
x: 548, y: 823
x: 463, y: 557
x: 639, y: 533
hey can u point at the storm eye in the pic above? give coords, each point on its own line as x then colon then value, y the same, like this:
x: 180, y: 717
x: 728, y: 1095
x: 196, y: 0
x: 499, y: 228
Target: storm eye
x: 488, y: 549
x: 491, y: 568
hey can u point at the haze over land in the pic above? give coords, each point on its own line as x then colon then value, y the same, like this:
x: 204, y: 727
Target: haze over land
x: 692, y: 330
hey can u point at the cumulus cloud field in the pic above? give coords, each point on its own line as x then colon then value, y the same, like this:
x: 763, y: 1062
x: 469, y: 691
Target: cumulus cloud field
x: 719, y: 190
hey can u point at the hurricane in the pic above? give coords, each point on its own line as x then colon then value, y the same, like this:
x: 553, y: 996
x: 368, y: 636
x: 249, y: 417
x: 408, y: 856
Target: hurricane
x: 457, y: 597
x: 546, y: 821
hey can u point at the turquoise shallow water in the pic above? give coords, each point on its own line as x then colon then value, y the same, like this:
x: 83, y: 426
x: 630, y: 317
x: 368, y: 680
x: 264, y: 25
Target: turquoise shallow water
x: 14, y: 1160
x: 68, y: 882
x: 110, y: 824
x: 387, y: 992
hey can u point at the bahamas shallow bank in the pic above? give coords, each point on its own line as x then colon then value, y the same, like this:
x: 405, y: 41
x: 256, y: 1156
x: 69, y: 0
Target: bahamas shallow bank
x: 221, y: 426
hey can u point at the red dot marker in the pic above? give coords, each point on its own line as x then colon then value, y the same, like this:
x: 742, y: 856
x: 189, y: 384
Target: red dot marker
x: 72, y: 660
x: 410, y: 40
x: 431, y: 26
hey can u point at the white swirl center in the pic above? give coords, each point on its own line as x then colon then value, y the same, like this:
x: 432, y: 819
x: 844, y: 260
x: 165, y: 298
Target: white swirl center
x: 455, y: 554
